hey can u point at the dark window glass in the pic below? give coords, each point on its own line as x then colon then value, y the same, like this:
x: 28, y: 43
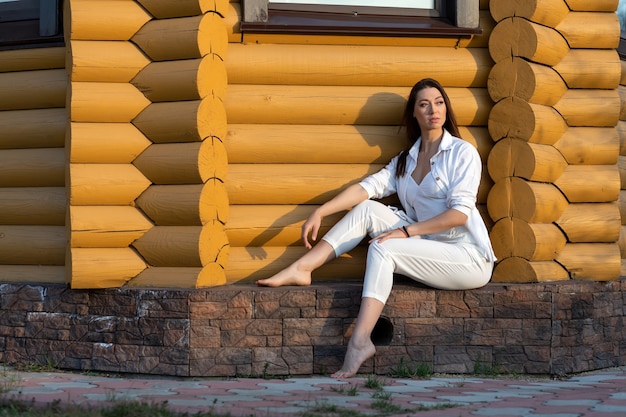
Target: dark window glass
x: 30, y: 23
x: 440, y: 18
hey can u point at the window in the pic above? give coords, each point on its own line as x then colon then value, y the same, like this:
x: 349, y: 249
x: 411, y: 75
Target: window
x: 30, y: 23
x: 455, y: 18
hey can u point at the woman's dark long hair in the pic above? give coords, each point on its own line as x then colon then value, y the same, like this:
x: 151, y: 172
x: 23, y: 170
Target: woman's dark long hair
x: 409, y: 122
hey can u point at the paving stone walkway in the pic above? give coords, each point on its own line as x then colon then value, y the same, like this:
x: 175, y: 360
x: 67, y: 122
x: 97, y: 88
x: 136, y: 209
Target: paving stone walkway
x: 596, y: 394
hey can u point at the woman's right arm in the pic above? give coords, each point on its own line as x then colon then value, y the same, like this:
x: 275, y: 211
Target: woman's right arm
x: 345, y: 200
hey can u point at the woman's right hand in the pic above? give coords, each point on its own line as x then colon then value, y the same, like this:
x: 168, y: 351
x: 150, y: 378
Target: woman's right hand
x: 312, y: 226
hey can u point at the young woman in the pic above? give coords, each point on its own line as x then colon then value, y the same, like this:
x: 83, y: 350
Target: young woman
x: 438, y: 239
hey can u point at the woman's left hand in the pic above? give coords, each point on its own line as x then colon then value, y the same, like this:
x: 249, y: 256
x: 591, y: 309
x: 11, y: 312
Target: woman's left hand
x: 390, y: 234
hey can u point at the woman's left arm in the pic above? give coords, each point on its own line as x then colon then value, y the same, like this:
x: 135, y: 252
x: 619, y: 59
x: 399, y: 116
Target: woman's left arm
x: 444, y: 221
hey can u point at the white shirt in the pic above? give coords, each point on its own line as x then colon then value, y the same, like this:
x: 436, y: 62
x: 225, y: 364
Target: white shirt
x: 452, y: 183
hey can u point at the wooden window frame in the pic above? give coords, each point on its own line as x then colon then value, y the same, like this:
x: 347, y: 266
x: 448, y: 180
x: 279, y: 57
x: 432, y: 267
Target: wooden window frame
x: 32, y: 27
x: 460, y: 19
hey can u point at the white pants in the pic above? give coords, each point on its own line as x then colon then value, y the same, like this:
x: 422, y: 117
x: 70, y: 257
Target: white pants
x: 450, y: 266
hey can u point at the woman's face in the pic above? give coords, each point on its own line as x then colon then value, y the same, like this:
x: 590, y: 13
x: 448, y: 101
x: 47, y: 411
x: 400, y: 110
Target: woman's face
x: 430, y: 109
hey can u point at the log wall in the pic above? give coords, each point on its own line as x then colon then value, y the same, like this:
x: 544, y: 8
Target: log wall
x: 621, y: 163
x: 146, y: 202
x: 555, y: 159
x: 162, y: 159
x: 32, y: 165
x: 319, y: 113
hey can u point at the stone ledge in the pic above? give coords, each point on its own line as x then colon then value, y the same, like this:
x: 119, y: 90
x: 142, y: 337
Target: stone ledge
x: 549, y: 328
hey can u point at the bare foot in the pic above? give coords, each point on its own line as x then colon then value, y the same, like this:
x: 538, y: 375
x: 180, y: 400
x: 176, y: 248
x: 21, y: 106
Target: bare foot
x: 288, y: 276
x: 355, y: 356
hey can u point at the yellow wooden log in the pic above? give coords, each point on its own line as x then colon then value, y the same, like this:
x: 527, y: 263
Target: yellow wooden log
x: 519, y: 270
x: 37, y: 128
x: 166, y: 277
x: 105, y: 184
x: 518, y: 37
x: 586, y: 107
x: 530, y: 201
x: 105, y: 143
x: 623, y: 78
x: 42, y: 274
x: 43, y: 167
x: 546, y: 12
x: 486, y: 183
x: 586, y: 222
x: 589, y: 145
x: 622, y: 242
x: 32, y: 245
x: 180, y: 277
x: 106, y: 226
x: 484, y: 213
x: 212, y: 275
x: 183, y: 38
x: 534, y: 83
x: 246, y: 265
x: 622, y: 205
x: 590, y: 68
x: 183, y: 246
x: 590, y: 183
x: 304, y: 144
x: 622, y: 96
x: 33, y: 205
x: 183, y: 121
x: 105, y: 61
x: 325, y: 105
x: 621, y: 132
x: 102, y: 267
x: 590, y: 30
x: 621, y: 166
x: 103, y: 19
x: 309, y: 144
x: 105, y: 102
x: 33, y: 89
x: 284, y: 183
x: 32, y: 59
x: 189, y: 79
x: 531, y: 241
x: 271, y: 225
x: 531, y: 161
x: 232, y: 21
x: 356, y: 66
x: 185, y: 205
x: 592, y: 6
x: 184, y: 163
x: 514, y: 118
x: 166, y: 9
x: 593, y: 261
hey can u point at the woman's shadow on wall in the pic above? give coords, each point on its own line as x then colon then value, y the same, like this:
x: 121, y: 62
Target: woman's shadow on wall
x: 377, y: 125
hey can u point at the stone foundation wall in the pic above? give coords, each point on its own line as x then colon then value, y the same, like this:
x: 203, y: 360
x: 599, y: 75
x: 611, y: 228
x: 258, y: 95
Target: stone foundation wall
x: 555, y: 328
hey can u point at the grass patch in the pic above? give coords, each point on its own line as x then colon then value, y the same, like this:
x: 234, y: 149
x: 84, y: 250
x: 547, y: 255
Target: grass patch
x: 411, y: 370
x: 374, y: 382
x: 350, y: 390
x: 20, y: 408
